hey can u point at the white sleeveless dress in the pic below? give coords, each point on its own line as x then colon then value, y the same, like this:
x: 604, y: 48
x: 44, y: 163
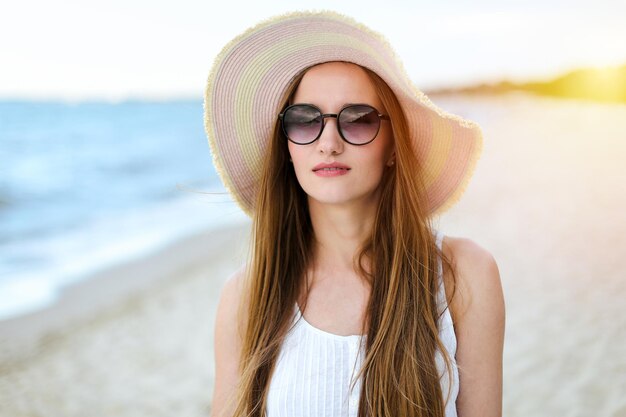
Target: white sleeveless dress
x: 315, y: 369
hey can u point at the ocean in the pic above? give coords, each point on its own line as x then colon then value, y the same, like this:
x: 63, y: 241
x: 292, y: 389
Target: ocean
x: 87, y: 185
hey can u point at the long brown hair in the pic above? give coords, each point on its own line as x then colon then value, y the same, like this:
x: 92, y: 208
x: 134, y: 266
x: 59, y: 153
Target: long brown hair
x: 398, y: 260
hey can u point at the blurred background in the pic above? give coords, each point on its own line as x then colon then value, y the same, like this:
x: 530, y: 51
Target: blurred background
x: 116, y: 233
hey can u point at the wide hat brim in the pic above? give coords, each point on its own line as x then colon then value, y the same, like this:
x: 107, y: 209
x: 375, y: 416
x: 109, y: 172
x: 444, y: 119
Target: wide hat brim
x: 253, y: 71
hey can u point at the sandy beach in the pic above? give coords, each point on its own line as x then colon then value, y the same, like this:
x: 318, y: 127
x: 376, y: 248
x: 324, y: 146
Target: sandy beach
x: 547, y: 200
x: 132, y: 341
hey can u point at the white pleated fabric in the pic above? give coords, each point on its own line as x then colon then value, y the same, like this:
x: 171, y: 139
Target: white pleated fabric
x: 315, y: 369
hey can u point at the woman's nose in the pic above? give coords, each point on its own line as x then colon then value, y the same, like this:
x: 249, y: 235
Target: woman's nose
x: 330, y: 141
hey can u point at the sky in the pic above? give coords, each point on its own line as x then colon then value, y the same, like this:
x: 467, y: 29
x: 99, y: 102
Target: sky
x: 138, y: 49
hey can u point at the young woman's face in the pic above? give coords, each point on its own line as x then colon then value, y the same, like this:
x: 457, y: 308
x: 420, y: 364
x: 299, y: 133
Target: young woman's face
x: 330, y: 87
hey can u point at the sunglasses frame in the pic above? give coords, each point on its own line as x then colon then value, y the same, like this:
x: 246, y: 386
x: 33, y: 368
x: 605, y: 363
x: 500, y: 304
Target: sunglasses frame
x: 333, y: 115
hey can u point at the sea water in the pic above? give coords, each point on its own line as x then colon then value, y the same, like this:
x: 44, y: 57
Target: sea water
x: 87, y: 185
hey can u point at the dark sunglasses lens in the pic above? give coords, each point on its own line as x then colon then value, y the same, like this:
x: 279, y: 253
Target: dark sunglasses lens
x: 302, y: 124
x: 359, y: 124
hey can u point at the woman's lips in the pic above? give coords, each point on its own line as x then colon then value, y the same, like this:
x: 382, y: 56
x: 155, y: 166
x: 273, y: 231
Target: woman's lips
x: 333, y: 169
x: 331, y: 172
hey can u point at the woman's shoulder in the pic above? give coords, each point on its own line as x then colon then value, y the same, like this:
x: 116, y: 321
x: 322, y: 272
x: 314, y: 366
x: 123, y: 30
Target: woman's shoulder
x: 477, y: 287
x: 229, y: 324
x: 467, y: 253
x: 228, y: 339
x: 478, y: 315
x: 234, y: 283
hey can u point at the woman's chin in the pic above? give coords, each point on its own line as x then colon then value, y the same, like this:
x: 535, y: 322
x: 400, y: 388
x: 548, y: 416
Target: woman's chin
x: 338, y: 201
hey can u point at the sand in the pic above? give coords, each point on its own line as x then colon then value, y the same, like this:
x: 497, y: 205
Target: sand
x: 547, y: 200
x: 144, y: 349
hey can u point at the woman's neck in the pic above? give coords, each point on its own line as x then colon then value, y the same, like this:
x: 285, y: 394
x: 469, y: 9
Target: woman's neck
x: 339, y: 232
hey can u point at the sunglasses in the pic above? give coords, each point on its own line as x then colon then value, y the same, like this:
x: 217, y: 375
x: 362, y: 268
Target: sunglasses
x: 358, y: 124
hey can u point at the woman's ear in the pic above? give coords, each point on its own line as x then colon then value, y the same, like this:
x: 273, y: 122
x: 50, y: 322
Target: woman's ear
x: 392, y: 160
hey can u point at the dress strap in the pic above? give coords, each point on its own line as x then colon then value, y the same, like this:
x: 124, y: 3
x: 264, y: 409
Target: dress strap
x: 441, y: 293
x: 439, y: 238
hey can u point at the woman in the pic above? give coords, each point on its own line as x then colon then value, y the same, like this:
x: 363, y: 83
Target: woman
x: 350, y: 304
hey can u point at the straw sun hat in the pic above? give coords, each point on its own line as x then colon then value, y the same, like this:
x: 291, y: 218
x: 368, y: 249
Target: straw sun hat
x: 252, y: 72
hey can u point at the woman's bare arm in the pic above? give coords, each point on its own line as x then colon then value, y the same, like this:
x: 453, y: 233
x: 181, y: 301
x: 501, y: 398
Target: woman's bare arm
x: 479, y: 318
x: 227, y: 346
